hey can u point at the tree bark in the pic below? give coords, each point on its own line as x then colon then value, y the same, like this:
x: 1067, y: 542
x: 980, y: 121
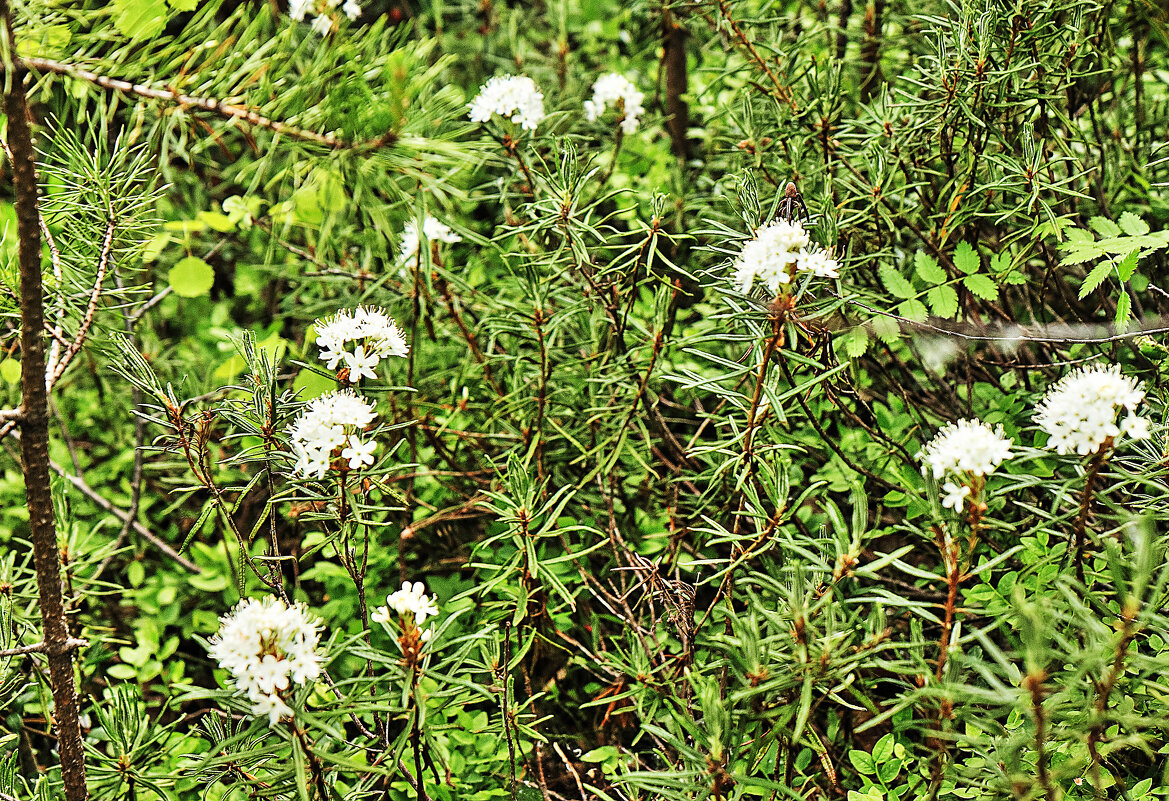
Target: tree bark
x: 677, y: 84
x: 34, y: 428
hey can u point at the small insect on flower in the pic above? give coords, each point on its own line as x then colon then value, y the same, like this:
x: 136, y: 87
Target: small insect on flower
x: 515, y: 97
x: 267, y: 646
x: 1079, y: 412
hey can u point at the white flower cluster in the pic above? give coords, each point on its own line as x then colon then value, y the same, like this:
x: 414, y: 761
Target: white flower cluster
x: 330, y: 422
x: 965, y: 448
x: 324, y: 21
x: 513, y: 96
x: 432, y: 230
x: 615, y: 88
x: 1079, y: 412
x: 265, y: 645
x: 779, y: 250
x: 377, y: 335
x: 410, y: 602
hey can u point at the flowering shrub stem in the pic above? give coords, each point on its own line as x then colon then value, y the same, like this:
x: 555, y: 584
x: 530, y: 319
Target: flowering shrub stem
x: 1128, y: 632
x: 34, y: 427
x: 1094, y: 466
x: 314, y: 762
x: 1033, y: 683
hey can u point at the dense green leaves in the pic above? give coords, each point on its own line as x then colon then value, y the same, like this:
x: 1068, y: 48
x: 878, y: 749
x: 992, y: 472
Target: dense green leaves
x: 680, y: 536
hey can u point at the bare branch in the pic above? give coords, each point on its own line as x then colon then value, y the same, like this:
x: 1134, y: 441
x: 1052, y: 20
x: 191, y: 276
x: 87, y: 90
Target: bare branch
x: 54, y: 371
x: 40, y: 647
x: 209, y: 104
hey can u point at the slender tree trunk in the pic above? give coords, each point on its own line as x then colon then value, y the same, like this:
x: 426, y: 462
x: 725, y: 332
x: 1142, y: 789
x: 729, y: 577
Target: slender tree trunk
x: 34, y: 427
x: 677, y: 84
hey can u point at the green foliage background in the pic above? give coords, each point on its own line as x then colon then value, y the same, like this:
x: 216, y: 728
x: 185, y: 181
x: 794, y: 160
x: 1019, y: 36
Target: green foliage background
x: 584, y: 384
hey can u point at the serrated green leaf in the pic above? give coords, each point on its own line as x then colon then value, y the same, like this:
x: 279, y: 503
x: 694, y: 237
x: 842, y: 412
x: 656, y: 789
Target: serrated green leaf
x: 191, y: 277
x: 1127, y: 266
x: 886, y: 328
x: 1132, y: 224
x: 1123, y: 312
x: 928, y: 268
x: 966, y: 258
x: 1016, y: 277
x: 1080, y: 253
x: 982, y: 286
x: 1096, y: 277
x: 1000, y: 262
x: 1126, y: 244
x: 913, y: 309
x: 943, y: 300
x: 1077, y: 236
x: 897, y: 284
x: 856, y: 342
x: 139, y: 19
x: 1104, y: 226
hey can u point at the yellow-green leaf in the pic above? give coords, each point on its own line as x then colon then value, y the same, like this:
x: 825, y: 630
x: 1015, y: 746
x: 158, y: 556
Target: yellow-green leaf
x: 191, y: 277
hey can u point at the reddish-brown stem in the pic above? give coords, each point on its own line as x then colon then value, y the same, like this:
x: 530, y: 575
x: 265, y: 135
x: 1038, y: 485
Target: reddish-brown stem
x: 1094, y: 465
x: 1034, y: 685
x: 1128, y: 631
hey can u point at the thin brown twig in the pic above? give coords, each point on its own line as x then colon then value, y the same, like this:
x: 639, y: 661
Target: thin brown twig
x: 55, y: 370
x: 208, y: 104
x: 39, y: 647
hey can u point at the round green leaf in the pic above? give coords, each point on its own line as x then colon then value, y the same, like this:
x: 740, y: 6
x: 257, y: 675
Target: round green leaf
x: 191, y: 277
x: 10, y: 371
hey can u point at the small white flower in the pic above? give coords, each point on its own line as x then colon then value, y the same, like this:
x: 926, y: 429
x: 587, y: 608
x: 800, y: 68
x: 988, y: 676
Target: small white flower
x: 265, y: 646
x: 351, y: 9
x: 323, y: 24
x: 771, y: 256
x: 359, y: 453
x: 955, y: 495
x: 376, y: 333
x: 324, y: 426
x: 515, y: 97
x: 298, y: 8
x: 966, y: 447
x: 432, y: 229
x: 1135, y: 427
x: 361, y: 364
x: 409, y: 601
x: 818, y: 262
x: 616, y: 89
x: 1079, y: 412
